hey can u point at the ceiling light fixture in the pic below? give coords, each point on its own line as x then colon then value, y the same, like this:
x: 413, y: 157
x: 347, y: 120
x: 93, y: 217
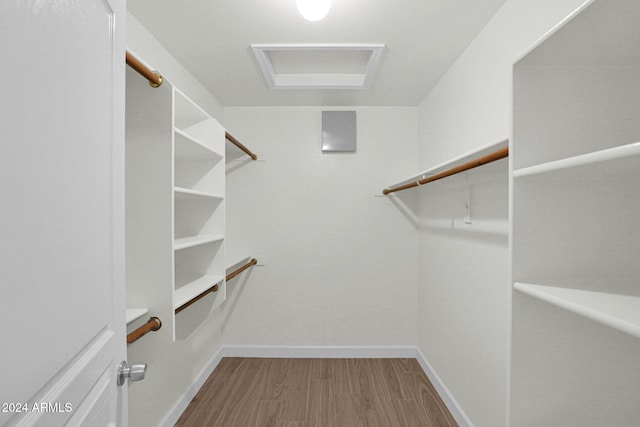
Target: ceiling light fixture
x: 313, y: 10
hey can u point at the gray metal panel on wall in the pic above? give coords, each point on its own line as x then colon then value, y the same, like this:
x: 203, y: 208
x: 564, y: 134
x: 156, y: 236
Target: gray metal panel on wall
x: 338, y: 131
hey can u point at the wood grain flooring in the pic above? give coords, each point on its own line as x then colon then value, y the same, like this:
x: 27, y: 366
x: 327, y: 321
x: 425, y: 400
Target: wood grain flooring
x: 257, y: 392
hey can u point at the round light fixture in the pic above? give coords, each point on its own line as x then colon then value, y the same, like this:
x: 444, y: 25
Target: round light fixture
x: 313, y: 10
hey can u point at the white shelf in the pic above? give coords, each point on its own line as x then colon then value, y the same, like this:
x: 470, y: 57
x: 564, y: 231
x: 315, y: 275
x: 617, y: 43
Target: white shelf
x: 188, y: 194
x: 187, y: 113
x: 187, y: 292
x: 134, y: 314
x: 237, y: 262
x: 189, y: 242
x: 189, y: 148
x: 596, y: 165
x: 618, y: 311
x: 453, y: 162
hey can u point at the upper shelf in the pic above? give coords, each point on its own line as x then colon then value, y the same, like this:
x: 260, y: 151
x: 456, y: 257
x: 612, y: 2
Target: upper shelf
x: 186, y: 112
x: 452, y: 163
x: 189, y: 148
x: 610, y: 163
x: 618, y: 311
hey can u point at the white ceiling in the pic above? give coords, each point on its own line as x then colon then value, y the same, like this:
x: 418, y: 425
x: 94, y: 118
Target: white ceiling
x: 212, y: 39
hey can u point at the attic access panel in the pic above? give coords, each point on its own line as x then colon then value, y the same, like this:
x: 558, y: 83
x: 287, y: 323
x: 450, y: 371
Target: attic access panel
x: 315, y: 66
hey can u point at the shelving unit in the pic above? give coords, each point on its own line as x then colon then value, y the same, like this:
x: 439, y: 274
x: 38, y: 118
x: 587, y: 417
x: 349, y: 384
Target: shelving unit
x: 175, y: 186
x: 576, y: 168
x: 199, y: 183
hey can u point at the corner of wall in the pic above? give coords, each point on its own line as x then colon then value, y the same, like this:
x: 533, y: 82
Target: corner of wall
x: 144, y: 44
x: 173, y: 379
x: 449, y: 400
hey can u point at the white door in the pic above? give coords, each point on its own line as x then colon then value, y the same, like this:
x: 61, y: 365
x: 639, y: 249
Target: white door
x: 62, y: 309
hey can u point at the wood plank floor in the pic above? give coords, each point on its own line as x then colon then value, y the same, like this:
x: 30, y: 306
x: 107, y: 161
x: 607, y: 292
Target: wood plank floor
x: 256, y: 392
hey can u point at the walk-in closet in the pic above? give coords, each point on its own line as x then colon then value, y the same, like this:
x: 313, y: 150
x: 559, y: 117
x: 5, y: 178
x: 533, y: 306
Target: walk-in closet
x: 320, y: 213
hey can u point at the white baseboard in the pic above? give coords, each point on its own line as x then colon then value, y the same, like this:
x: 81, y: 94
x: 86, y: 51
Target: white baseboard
x: 317, y: 352
x: 332, y: 352
x: 446, y: 396
x: 174, y: 414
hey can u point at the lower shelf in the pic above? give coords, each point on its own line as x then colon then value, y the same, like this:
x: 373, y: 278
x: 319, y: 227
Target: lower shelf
x: 134, y: 314
x: 237, y: 262
x: 191, y: 290
x: 617, y: 311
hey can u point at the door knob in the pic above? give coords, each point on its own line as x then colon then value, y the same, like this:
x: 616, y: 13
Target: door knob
x: 135, y: 372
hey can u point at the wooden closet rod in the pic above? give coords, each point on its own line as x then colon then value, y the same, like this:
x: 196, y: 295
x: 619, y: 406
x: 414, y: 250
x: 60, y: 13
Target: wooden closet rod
x: 239, y: 145
x: 491, y: 157
x: 241, y: 269
x: 152, y: 325
x: 155, y: 79
x: 214, y: 288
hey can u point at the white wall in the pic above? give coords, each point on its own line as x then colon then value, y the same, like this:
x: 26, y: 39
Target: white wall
x: 144, y: 45
x: 463, y: 300
x: 171, y: 376
x: 340, y: 263
x: 463, y: 270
